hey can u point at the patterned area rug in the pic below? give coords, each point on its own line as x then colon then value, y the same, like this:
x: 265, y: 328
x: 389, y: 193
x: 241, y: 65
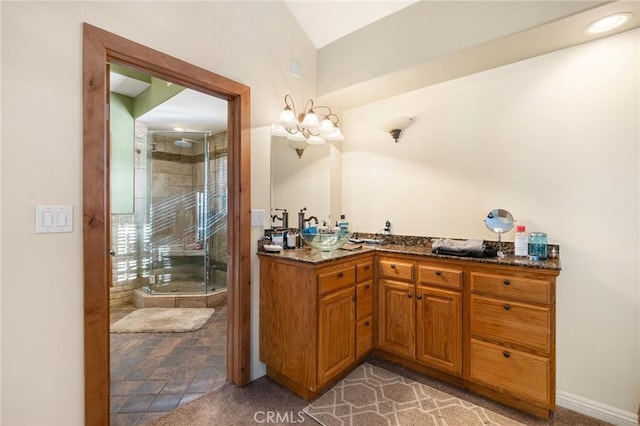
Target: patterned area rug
x: 372, y: 396
x: 163, y: 320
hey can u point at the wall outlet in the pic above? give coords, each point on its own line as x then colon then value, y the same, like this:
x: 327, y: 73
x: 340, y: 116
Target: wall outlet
x: 152, y: 279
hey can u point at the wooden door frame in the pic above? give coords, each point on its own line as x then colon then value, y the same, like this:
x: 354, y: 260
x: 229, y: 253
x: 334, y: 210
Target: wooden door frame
x: 99, y: 48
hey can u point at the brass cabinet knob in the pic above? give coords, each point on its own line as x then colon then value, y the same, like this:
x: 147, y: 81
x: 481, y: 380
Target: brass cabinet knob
x: 506, y: 354
x: 507, y: 306
x: 438, y: 273
x: 506, y: 282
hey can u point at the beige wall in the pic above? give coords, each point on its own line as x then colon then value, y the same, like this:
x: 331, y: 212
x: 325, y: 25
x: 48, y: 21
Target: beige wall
x: 553, y: 139
x: 42, y: 344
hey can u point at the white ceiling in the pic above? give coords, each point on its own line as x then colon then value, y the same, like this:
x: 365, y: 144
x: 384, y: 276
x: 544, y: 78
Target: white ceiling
x: 327, y: 21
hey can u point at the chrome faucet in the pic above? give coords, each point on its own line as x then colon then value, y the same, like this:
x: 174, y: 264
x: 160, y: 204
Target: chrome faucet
x: 302, y: 219
x: 284, y: 218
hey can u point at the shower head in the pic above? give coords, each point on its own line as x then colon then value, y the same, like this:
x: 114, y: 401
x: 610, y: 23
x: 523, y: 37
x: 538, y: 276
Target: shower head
x: 182, y: 143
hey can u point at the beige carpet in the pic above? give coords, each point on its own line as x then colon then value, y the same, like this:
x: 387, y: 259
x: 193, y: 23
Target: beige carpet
x: 373, y: 396
x: 163, y: 320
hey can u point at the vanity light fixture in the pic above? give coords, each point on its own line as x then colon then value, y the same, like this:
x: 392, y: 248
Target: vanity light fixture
x: 395, y: 125
x: 313, y: 126
x: 608, y: 23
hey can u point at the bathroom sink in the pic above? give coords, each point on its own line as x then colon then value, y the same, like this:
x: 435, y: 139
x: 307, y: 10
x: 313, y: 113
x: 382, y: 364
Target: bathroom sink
x: 325, y: 240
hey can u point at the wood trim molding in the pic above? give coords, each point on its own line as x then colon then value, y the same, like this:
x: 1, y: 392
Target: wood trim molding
x: 99, y: 48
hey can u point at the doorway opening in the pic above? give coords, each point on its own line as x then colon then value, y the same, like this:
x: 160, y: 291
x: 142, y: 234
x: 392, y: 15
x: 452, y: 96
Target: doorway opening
x: 100, y: 48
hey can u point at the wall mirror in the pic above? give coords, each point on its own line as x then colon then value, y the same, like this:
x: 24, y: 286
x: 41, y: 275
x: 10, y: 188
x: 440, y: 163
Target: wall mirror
x: 299, y: 179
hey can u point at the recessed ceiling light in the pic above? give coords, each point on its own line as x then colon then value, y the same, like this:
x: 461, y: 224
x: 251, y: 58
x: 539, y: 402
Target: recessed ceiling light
x: 179, y: 129
x: 608, y: 23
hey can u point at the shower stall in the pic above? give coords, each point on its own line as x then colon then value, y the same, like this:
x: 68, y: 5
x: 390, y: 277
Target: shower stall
x: 185, y: 233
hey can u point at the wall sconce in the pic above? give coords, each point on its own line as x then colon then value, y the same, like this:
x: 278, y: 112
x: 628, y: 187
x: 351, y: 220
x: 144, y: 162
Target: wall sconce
x: 395, y: 125
x: 313, y: 126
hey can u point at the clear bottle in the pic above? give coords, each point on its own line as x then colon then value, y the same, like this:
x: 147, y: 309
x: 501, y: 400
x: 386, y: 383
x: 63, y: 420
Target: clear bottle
x: 521, y: 241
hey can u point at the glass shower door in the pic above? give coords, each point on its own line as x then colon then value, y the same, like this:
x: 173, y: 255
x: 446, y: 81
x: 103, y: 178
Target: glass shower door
x: 179, y: 209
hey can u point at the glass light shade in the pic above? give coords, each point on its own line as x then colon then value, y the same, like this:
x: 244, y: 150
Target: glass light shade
x: 315, y: 140
x: 288, y: 118
x: 326, y: 126
x: 298, y: 144
x: 336, y: 135
x: 278, y: 130
x: 296, y: 137
x: 608, y: 23
x: 310, y: 121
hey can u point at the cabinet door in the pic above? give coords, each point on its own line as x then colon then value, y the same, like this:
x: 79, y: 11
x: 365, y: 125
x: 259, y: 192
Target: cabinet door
x: 336, y: 333
x: 396, y: 318
x: 439, y: 328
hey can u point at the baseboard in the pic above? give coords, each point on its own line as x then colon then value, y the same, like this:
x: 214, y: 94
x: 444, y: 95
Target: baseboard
x: 596, y: 409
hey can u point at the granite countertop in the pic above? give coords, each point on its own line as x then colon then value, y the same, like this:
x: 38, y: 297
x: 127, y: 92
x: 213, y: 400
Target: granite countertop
x: 417, y: 246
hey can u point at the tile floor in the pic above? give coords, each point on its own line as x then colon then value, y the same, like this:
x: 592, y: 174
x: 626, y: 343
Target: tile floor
x: 154, y: 373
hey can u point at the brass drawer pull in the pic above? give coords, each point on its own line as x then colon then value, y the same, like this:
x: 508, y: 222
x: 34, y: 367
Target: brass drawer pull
x: 409, y: 295
x: 340, y: 274
x: 366, y: 287
x: 419, y: 297
x: 506, y: 354
x: 506, y: 282
x: 438, y: 273
x: 367, y: 324
x: 366, y: 268
x: 507, y: 306
x: 393, y: 266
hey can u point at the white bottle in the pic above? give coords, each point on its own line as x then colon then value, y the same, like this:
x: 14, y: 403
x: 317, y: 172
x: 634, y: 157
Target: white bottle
x: 521, y: 241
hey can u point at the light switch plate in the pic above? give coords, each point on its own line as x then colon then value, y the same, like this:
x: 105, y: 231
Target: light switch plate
x: 257, y: 217
x: 52, y: 219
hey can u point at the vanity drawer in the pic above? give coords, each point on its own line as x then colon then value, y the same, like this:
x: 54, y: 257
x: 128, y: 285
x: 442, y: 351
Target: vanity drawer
x: 518, y: 373
x: 364, y: 305
x: 364, y: 271
x: 364, y: 336
x: 394, y: 268
x: 511, y: 322
x: 444, y: 277
x: 336, y: 277
x: 527, y: 289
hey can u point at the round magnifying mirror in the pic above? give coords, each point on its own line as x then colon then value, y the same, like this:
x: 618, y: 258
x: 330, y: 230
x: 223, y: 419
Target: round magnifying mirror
x: 499, y: 221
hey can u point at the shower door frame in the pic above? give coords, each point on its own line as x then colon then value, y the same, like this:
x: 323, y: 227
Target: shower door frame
x: 101, y: 47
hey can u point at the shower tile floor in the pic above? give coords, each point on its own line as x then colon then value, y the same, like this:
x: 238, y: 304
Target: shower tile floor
x: 154, y: 373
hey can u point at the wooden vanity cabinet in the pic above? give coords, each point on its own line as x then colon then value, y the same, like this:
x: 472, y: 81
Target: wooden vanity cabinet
x: 512, y: 327
x: 485, y: 327
x: 420, y: 312
x: 439, y: 316
x: 310, y: 330
x: 489, y: 328
x: 364, y: 307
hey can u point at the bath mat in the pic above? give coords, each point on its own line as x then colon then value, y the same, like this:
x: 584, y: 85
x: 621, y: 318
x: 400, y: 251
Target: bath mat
x: 371, y: 395
x: 163, y: 320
